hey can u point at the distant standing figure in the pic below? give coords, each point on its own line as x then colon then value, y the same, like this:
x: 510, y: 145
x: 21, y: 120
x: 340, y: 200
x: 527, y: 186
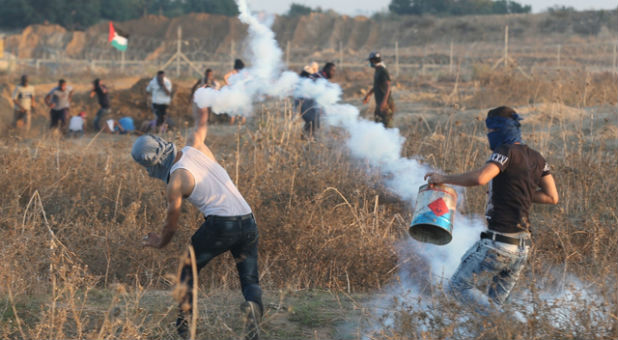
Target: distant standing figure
x: 207, y: 81
x: 23, y: 101
x: 161, y: 89
x: 76, y: 125
x: 327, y: 72
x: 59, y: 100
x: 310, y: 111
x: 101, y: 92
x: 309, y: 69
x: 238, y: 66
x: 385, y: 107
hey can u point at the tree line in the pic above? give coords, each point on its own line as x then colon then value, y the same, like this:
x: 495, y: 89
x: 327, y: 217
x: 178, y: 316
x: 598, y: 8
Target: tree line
x: 73, y: 14
x: 456, y: 7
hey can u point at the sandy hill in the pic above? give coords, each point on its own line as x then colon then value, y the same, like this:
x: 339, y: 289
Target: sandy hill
x: 209, y: 36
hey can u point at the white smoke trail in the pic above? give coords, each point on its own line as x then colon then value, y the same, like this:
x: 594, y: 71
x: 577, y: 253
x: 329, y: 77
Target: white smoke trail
x: 368, y: 140
x: 263, y: 77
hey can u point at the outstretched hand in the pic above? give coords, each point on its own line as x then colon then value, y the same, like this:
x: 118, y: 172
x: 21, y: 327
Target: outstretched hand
x: 152, y: 240
x: 434, y: 178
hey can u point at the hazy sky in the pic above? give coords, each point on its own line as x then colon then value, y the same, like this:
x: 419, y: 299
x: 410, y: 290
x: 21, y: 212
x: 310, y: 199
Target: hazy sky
x: 370, y: 6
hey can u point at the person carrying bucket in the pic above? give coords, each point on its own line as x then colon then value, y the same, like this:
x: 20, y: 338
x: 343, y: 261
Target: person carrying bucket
x: 518, y: 176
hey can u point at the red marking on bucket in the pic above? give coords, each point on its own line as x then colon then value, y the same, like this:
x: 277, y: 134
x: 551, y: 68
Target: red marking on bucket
x: 438, y: 207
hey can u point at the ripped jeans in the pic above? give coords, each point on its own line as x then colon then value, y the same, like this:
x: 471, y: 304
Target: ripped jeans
x: 487, y: 274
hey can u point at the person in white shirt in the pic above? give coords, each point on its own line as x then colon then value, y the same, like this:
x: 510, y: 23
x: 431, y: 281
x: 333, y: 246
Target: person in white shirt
x: 160, y: 87
x: 23, y: 100
x: 76, y: 125
x: 194, y: 173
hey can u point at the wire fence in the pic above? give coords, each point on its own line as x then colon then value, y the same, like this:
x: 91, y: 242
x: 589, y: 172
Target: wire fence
x: 189, y: 57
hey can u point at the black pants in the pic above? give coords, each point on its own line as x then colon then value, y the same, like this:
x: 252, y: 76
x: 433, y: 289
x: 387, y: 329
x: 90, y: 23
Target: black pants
x: 217, y: 235
x: 58, y: 118
x: 160, y: 110
x: 311, y: 115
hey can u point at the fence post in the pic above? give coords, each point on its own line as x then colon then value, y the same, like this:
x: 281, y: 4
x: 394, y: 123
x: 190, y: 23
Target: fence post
x: 340, y: 55
x: 287, y: 54
x: 178, y: 50
x: 232, y: 52
x: 558, y: 55
x: 450, y: 59
x: 397, y: 58
x: 37, y: 65
x: 506, y: 46
x: 614, y: 60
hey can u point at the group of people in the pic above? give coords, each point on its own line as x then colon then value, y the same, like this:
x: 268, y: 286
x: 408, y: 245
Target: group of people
x: 518, y: 176
x: 381, y: 89
x: 59, y: 100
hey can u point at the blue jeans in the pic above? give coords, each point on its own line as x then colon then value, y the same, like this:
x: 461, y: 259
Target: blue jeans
x: 218, y: 235
x: 487, y: 274
x: 100, y: 115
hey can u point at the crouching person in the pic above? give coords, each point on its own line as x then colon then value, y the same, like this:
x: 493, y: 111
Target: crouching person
x: 518, y: 177
x: 194, y: 173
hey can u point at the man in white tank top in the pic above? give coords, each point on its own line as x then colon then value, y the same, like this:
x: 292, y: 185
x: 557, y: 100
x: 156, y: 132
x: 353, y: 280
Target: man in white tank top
x: 193, y: 173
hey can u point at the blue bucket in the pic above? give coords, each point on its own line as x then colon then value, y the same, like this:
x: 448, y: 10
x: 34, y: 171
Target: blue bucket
x: 433, y: 217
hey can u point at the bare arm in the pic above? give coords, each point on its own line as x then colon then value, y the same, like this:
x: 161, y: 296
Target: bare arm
x: 200, y: 131
x: 548, y: 194
x: 48, y: 101
x: 180, y: 185
x: 476, y: 177
x: 369, y: 93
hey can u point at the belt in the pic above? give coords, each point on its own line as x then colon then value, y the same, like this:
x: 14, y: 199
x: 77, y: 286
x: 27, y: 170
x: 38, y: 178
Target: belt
x: 230, y: 218
x: 526, y: 242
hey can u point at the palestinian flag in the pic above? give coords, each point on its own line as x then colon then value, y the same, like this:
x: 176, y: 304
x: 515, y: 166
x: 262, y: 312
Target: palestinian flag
x: 118, y: 39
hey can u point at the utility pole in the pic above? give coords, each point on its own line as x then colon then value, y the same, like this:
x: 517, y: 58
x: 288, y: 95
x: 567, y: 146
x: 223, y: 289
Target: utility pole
x: 450, y: 63
x: 506, y: 46
x: 397, y: 58
x: 178, y: 50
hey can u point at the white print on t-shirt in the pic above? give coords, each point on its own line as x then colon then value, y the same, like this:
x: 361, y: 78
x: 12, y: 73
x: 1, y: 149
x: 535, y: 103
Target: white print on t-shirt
x: 499, y: 158
x: 546, y: 168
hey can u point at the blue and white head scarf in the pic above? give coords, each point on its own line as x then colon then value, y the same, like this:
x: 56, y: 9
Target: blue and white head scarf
x: 506, y: 130
x: 155, y: 154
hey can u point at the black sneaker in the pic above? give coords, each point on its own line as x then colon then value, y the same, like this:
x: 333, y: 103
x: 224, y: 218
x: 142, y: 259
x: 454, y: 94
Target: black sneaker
x: 252, y: 316
x: 182, y: 327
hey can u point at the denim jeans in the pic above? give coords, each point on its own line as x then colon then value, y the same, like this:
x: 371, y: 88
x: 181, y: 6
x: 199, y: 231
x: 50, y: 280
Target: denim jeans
x: 100, y: 115
x: 487, y: 274
x: 218, y: 235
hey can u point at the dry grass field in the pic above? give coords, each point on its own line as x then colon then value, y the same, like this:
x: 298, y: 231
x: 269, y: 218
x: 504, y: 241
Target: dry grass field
x: 72, y: 212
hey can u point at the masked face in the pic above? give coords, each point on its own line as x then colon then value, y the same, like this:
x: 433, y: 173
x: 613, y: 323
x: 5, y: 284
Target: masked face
x: 503, y: 131
x: 495, y: 139
x: 155, y: 154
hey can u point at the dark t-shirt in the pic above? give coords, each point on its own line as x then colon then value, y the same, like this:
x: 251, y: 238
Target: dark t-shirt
x: 511, y: 192
x: 380, y: 77
x: 103, y: 98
